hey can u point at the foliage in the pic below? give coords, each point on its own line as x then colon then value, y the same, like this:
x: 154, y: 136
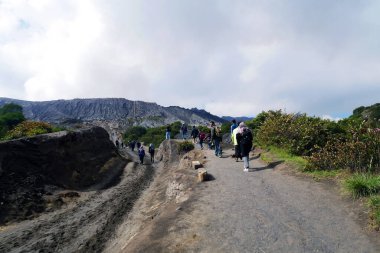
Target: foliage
x: 154, y: 135
x: 226, y: 127
x: 298, y: 133
x: 134, y: 133
x: 256, y: 122
x: 185, y: 146
x: 10, y: 116
x: 360, y: 184
x: 204, y: 129
x: 359, y: 151
x: 28, y: 129
x: 371, y: 114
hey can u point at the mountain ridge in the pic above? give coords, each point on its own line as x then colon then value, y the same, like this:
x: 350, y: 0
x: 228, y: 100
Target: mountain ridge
x: 117, y: 112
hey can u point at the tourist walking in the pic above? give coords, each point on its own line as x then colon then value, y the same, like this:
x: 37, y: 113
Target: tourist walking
x: 184, y: 131
x: 194, y: 134
x: 151, y: 152
x: 245, y: 137
x: 168, y: 131
x: 236, y: 143
x: 141, y: 153
x: 216, y: 137
x: 202, y: 137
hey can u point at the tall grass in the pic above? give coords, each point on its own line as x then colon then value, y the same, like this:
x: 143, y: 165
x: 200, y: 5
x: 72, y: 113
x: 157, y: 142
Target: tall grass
x: 360, y: 185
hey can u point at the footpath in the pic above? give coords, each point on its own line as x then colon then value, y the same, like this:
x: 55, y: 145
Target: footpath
x: 267, y: 210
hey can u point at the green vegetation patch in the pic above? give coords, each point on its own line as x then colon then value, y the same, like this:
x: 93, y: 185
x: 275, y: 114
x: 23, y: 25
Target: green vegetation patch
x: 360, y: 185
x: 30, y: 128
x: 10, y: 116
x: 185, y: 146
x: 282, y: 154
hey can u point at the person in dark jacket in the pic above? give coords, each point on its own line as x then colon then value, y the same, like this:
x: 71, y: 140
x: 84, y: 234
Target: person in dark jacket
x: 216, y: 137
x: 245, y: 138
x: 194, y: 134
x: 141, y: 154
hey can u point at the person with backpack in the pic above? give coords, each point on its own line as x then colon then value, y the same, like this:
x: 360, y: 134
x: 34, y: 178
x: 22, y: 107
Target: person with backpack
x: 141, y: 153
x: 202, y: 137
x: 216, y: 137
x: 151, y: 152
x: 194, y: 134
x: 245, y: 138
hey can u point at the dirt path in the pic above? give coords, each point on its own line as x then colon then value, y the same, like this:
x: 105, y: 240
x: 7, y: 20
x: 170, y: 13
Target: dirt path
x: 265, y: 210
x: 85, y: 227
x: 268, y: 211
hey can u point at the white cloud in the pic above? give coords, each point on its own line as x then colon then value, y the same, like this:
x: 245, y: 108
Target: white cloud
x: 231, y: 58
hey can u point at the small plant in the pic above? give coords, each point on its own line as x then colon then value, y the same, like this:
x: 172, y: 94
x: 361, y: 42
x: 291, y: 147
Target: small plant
x: 185, y: 146
x: 360, y: 185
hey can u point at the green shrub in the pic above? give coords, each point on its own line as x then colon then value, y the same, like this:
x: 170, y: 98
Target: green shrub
x: 185, y: 146
x: 360, y: 185
x: 226, y: 127
x: 28, y: 129
x: 204, y: 129
x: 10, y: 116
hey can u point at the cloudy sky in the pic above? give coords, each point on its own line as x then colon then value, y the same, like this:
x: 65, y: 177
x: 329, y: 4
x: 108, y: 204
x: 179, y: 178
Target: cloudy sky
x: 234, y: 58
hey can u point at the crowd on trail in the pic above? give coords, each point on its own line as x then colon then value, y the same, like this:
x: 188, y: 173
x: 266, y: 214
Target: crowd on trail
x: 241, y: 138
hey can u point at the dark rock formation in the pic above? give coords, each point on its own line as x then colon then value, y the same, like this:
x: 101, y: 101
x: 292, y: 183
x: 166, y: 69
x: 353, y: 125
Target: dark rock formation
x: 29, y: 167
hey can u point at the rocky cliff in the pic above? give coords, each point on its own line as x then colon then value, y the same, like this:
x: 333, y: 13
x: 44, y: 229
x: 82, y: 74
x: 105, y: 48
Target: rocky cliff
x: 117, y: 111
x: 31, y: 168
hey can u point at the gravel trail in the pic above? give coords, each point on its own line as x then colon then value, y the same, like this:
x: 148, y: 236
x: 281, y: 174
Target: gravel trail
x: 266, y: 210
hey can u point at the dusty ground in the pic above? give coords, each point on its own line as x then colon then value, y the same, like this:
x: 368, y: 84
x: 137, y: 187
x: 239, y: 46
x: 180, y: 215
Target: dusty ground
x: 265, y: 210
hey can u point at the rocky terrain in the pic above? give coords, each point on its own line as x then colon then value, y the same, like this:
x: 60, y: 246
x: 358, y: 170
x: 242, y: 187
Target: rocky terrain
x: 115, y: 113
x: 36, y: 172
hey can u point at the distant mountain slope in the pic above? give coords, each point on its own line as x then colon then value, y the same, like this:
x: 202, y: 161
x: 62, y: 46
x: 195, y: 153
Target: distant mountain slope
x: 238, y: 119
x: 112, y: 110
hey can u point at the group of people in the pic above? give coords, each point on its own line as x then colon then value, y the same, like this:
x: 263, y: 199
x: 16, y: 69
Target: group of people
x: 141, y: 150
x: 241, y: 137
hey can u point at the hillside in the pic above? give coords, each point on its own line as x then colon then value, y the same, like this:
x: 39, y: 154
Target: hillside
x: 117, y: 111
x: 371, y: 113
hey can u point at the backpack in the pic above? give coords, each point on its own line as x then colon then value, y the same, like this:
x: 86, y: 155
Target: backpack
x: 246, y: 137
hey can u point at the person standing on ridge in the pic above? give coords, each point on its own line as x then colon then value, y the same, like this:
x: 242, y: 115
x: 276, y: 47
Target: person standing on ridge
x: 184, y: 131
x: 141, y: 154
x: 151, y: 152
x: 194, y: 134
x: 167, y: 134
x: 245, y: 137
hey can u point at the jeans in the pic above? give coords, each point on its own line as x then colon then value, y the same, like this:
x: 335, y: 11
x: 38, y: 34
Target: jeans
x: 168, y: 135
x: 218, y: 151
x: 246, y: 162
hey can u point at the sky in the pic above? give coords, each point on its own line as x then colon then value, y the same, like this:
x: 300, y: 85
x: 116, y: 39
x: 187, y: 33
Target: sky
x: 236, y: 58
